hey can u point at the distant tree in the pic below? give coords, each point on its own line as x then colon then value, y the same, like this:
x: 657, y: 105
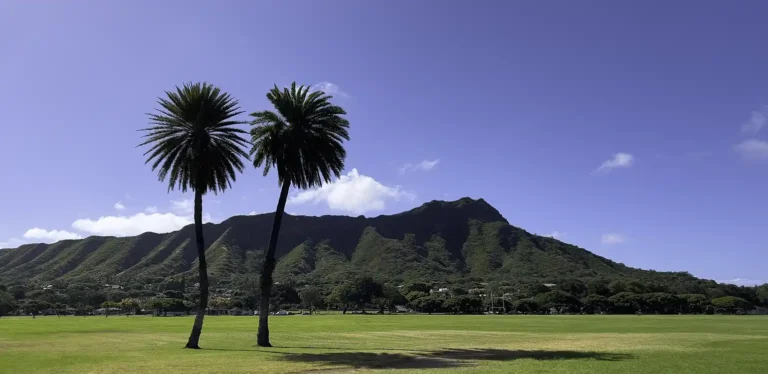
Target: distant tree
x: 188, y: 305
x: 731, y: 304
x: 310, y: 297
x: 173, y: 294
x: 451, y: 305
x: 593, y: 304
x: 7, y: 303
x: 636, y: 287
x: 365, y: 289
x: 574, y: 287
x: 714, y: 293
x: 428, y: 304
x: 18, y: 291
x: 284, y: 294
x: 156, y: 304
x: 107, y: 305
x: 526, y: 306
x: 469, y: 304
x: 393, y: 296
x: 598, y: 287
x: 33, y: 307
x: 130, y: 305
x: 302, y: 140
x: 194, y: 143
x: 694, y: 303
x: 660, y: 302
x: 219, y: 303
x: 625, y: 303
x: 761, y: 293
x: 528, y: 290
x: 382, y: 304
x: 458, y: 291
x: 617, y: 287
x: 559, y: 300
x: 246, y: 289
x: 413, y: 295
x: 416, y: 287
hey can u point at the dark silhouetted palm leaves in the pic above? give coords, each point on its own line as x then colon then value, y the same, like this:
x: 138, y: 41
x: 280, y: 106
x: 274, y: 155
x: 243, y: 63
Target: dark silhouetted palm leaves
x: 195, y: 146
x: 302, y: 141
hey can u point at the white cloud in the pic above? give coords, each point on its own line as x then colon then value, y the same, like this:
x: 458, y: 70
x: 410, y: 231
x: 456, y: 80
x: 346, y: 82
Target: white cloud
x: 612, y: 239
x: 756, y: 122
x: 185, y: 206
x: 555, y: 235
x: 329, y: 88
x: 619, y: 160
x: 744, y: 282
x: 38, y: 235
x: 253, y: 213
x: 421, y: 166
x: 12, y: 243
x: 119, y: 206
x: 151, y: 209
x: 752, y: 149
x: 132, y: 225
x: 354, y: 193
x: 45, y: 236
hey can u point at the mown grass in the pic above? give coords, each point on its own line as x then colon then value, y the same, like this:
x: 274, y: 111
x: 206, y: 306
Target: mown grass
x: 338, y: 344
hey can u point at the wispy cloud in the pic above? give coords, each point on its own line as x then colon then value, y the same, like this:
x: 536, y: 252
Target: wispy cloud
x: 744, y: 282
x: 119, y: 206
x: 756, y: 122
x: 555, y: 235
x: 47, y: 236
x: 38, y: 235
x: 612, y: 239
x: 752, y: 150
x: 329, y: 88
x: 421, y: 166
x: 354, y: 193
x: 619, y: 160
x: 150, y: 220
x: 185, y: 206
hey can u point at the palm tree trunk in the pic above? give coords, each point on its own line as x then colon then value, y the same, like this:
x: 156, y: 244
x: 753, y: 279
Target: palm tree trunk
x: 197, y: 328
x: 269, y: 266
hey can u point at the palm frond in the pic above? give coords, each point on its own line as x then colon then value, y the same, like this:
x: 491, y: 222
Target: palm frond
x: 303, y: 139
x: 192, y: 141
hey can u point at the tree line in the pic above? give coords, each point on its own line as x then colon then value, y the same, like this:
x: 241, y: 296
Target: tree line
x: 365, y: 294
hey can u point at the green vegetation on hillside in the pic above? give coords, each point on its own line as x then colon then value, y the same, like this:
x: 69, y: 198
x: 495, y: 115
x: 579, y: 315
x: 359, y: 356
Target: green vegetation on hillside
x: 457, y: 245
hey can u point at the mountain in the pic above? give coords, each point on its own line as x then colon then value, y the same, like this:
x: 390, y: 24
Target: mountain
x: 439, y: 241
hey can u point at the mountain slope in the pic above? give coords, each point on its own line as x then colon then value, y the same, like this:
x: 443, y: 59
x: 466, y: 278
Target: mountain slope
x: 438, y: 241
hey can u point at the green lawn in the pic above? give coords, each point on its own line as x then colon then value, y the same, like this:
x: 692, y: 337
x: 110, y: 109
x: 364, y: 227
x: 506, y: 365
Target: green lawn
x: 339, y: 344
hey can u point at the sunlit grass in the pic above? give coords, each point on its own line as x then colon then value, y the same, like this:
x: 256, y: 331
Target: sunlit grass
x: 336, y: 343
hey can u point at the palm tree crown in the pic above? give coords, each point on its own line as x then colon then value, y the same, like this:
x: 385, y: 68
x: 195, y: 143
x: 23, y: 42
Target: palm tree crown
x: 303, y: 140
x: 194, y: 140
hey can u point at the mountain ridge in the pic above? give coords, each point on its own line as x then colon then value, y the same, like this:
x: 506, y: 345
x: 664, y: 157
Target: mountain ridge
x: 439, y: 241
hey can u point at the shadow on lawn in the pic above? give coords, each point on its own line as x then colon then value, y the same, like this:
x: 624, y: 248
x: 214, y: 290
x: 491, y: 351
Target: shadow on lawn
x: 447, y: 358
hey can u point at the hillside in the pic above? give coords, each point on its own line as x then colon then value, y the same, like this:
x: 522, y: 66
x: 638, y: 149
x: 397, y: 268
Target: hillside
x: 438, y: 241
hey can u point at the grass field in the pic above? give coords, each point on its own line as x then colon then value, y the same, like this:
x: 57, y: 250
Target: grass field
x: 349, y: 343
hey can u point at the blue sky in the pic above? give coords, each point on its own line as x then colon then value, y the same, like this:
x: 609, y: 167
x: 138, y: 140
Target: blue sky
x: 634, y: 129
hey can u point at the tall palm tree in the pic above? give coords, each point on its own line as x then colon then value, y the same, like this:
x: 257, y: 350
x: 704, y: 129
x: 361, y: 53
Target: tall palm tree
x: 194, y: 143
x: 302, y: 141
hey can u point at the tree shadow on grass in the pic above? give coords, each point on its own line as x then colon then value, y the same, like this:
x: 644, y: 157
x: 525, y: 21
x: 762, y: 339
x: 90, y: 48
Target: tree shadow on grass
x: 446, y: 358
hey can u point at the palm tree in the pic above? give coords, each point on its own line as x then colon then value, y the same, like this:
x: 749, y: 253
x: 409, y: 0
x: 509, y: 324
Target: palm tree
x: 194, y: 143
x: 302, y: 141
